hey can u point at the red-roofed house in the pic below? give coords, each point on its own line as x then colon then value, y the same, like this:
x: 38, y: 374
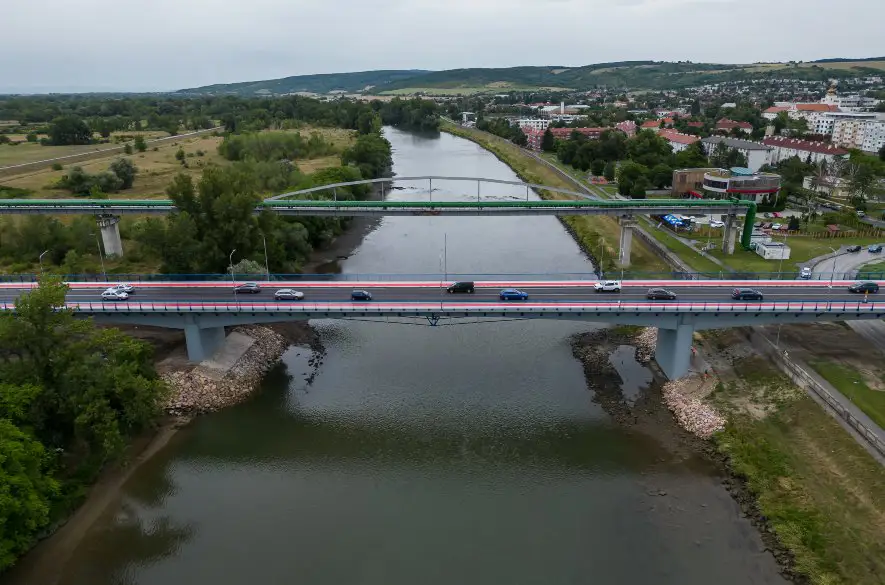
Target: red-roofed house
x: 772, y: 112
x: 695, y: 124
x: 628, y: 127
x: 677, y: 140
x: 726, y: 125
x: 536, y: 135
x: 784, y: 148
x: 656, y: 124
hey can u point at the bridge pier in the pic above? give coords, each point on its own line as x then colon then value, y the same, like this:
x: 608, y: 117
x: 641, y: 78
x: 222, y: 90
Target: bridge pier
x: 110, y: 235
x: 202, y: 343
x: 673, y: 350
x: 730, y: 234
x: 627, y: 224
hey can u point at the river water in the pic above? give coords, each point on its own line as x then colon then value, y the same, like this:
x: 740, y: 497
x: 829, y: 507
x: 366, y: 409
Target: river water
x: 434, y: 455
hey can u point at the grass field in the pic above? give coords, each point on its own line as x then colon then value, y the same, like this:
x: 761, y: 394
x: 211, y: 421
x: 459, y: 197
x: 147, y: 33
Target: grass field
x: 596, y: 233
x: 156, y: 168
x: 802, y: 249
x: 846, y: 65
x: 819, y: 489
x: 451, y: 91
x: 851, y: 382
x: 26, y: 152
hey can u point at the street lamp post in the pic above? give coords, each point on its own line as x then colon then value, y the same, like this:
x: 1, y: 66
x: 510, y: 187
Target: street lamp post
x: 41, y: 262
x: 833, y: 273
x: 230, y: 262
x: 101, y: 257
x: 266, y: 268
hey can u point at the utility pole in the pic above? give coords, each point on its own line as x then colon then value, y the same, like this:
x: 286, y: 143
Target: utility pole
x: 41, y: 262
x: 230, y: 262
x: 263, y: 239
x: 101, y: 257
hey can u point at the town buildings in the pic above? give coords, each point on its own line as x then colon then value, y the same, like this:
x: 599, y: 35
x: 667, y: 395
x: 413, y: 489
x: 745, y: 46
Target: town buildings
x: 741, y: 183
x: 807, y: 150
x: 677, y: 140
x: 755, y: 153
x: 726, y: 125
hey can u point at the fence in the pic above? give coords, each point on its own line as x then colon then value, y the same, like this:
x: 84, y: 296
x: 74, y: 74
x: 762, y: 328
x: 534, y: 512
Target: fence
x: 804, y: 379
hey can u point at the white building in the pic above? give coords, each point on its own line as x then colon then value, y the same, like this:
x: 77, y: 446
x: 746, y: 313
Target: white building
x: 532, y: 124
x: 773, y: 250
x: 865, y: 133
x: 849, y: 103
x: 677, y: 140
x: 825, y: 123
x: 757, y: 154
x: 873, y: 136
x: 784, y: 148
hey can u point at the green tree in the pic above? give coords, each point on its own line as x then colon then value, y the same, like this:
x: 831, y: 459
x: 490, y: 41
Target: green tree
x: 370, y: 153
x: 179, y: 154
x: 127, y: 149
x: 67, y: 130
x: 126, y: 170
x: 692, y: 157
x: 140, y: 144
x: 609, y: 171
x: 597, y: 167
x: 31, y: 137
x: 639, y: 187
x: 630, y: 173
x: 26, y: 489
x: 548, y: 142
x: 661, y: 175
x: 648, y: 149
x: 861, y: 180
x: 882, y: 153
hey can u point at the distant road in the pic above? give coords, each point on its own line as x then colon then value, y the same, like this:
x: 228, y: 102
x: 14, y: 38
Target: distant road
x: 93, y: 154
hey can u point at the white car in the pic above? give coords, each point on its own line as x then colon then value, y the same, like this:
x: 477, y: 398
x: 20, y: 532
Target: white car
x: 717, y: 224
x: 608, y: 286
x: 776, y: 226
x: 113, y: 294
x: 806, y: 273
x: 288, y: 294
x: 124, y: 287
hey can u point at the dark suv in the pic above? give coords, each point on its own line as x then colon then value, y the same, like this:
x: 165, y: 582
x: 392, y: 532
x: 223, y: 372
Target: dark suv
x: 853, y: 249
x: 461, y: 287
x: 746, y: 294
x: 864, y: 287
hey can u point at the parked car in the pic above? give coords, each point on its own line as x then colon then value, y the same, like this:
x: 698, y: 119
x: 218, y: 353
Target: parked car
x: 660, y: 294
x: 875, y: 249
x: 513, y: 294
x: 776, y: 214
x: 717, y: 223
x: 248, y: 287
x: 288, y: 294
x: 746, y: 294
x: 805, y: 274
x: 360, y: 295
x: 124, y: 287
x: 853, y: 249
x: 113, y: 294
x: 864, y: 287
x: 607, y: 286
x: 861, y: 214
x: 775, y: 226
x: 766, y: 225
x: 461, y: 287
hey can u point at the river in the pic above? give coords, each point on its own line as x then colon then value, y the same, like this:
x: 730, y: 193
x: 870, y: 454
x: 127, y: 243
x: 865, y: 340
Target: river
x: 435, y: 455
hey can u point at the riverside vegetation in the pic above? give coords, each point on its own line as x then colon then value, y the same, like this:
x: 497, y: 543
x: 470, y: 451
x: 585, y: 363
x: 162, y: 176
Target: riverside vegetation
x: 71, y: 396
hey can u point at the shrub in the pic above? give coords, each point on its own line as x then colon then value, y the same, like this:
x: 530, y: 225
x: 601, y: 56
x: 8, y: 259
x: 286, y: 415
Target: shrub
x: 57, y: 166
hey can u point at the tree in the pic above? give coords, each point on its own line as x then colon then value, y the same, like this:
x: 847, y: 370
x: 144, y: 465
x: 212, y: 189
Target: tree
x: 648, y: 149
x: 246, y: 266
x: 793, y: 224
x: 26, y: 489
x: 882, y: 153
x: 126, y: 170
x: 661, y: 176
x: 639, y: 187
x: 597, y: 167
x: 548, y: 142
x: 179, y: 154
x: 609, y: 171
x: 68, y: 130
x: 140, y: 144
x: 31, y: 137
x: 127, y: 149
x: 861, y: 179
x: 692, y: 157
x: 629, y: 173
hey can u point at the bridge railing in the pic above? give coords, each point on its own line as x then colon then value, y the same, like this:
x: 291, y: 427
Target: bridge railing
x: 516, y: 308
x: 450, y: 277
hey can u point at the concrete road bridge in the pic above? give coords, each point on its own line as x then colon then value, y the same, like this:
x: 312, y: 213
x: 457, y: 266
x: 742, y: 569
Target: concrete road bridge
x: 204, y: 309
x: 323, y: 201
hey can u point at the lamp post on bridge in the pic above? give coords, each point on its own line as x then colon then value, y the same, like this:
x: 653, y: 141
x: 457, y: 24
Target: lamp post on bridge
x: 833, y: 273
x: 266, y: 266
x: 230, y: 262
x: 41, y: 262
x: 100, y: 256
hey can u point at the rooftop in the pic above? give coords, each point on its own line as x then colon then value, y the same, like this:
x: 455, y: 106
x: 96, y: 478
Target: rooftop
x: 677, y: 137
x: 804, y: 145
x: 735, y: 143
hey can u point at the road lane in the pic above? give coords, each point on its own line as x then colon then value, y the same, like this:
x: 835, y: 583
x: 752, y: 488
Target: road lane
x: 563, y: 293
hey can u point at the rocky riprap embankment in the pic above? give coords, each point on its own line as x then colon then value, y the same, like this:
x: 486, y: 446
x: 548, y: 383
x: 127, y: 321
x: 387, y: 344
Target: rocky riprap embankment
x: 692, y: 414
x: 195, y: 391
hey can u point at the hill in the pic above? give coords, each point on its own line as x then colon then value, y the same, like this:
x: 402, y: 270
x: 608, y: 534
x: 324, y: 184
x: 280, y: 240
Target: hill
x: 623, y: 74
x: 320, y: 83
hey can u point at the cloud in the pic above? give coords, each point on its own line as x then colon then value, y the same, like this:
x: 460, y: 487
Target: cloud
x: 170, y: 44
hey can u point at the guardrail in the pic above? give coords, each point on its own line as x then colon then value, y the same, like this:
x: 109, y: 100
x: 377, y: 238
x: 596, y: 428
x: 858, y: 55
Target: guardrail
x: 806, y: 379
x: 451, y: 277
x: 430, y: 307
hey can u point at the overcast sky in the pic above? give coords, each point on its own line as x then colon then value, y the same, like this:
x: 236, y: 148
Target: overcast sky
x: 99, y: 45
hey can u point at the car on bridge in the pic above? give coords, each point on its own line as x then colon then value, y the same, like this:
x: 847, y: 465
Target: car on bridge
x: 874, y: 248
x: 248, y: 287
x: 607, y: 286
x: 461, y: 287
x: 660, y: 294
x: 113, y: 294
x: 853, y: 249
x: 288, y: 294
x: 124, y: 287
x: 360, y: 295
x: 864, y: 287
x: 513, y: 294
x: 746, y: 294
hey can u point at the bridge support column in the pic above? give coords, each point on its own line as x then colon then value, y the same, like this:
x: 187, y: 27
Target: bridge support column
x: 110, y: 235
x: 728, y: 238
x: 627, y: 225
x: 673, y: 350
x: 202, y: 343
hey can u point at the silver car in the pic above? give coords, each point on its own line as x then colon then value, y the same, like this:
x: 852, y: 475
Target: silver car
x: 113, y: 294
x: 288, y: 294
x: 124, y: 287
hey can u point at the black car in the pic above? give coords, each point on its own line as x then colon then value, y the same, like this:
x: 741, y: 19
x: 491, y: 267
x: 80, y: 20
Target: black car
x: 660, y: 294
x: 360, y: 295
x: 872, y: 249
x: 248, y: 287
x: 864, y: 287
x: 461, y: 287
x: 853, y: 249
x: 746, y: 294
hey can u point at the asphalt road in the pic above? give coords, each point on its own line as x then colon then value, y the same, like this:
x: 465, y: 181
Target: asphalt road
x: 846, y: 263
x: 406, y: 293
